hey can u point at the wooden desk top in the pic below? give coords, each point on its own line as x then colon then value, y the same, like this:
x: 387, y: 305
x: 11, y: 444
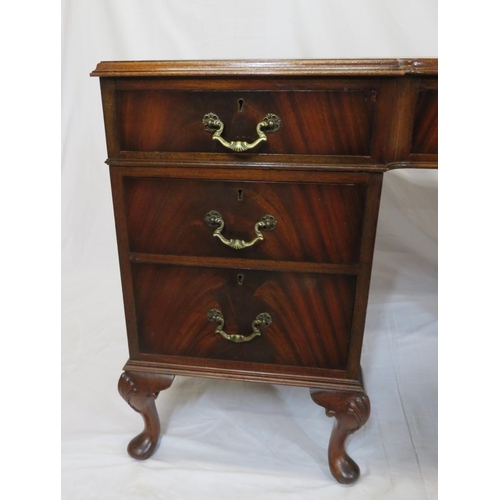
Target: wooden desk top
x: 275, y: 67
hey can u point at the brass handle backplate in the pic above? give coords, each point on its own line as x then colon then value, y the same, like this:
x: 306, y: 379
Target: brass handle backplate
x: 261, y: 321
x: 270, y: 123
x: 267, y: 223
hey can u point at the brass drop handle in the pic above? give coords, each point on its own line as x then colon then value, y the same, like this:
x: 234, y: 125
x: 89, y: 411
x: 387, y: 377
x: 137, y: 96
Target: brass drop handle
x: 270, y: 123
x: 267, y: 223
x: 262, y: 320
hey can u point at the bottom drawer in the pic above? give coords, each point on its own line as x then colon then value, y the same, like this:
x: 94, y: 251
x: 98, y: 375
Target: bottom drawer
x: 311, y: 314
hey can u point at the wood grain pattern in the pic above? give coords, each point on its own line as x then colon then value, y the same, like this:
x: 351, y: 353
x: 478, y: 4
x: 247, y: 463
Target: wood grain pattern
x: 394, y: 119
x: 250, y: 83
x: 299, y: 376
x: 243, y: 172
x: 282, y: 67
x: 237, y: 263
x: 309, y: 328
x: 316, y: 222
x: 311, y: 274
x: 124, y: 258
x: 325, y: 123
x: 425, y: 130
x: 363, y: 284
x: 304, y: 165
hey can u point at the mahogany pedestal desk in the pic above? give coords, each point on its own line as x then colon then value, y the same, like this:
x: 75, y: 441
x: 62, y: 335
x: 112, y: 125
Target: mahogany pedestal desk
x: 246, y: 197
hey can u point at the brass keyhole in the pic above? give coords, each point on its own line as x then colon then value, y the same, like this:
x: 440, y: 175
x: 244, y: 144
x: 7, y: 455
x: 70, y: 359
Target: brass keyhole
x: 240, y: 194
x: 240, y: 279
x: 240, y: 104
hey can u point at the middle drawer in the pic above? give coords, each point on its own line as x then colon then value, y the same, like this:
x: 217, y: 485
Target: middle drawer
x: 310, y: 222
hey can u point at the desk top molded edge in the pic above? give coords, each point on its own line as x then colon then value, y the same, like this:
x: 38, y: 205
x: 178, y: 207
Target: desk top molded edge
x: 276, y: 67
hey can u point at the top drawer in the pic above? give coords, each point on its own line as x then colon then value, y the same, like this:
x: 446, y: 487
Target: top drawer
x: 351, y: 115
x: 319, y: 122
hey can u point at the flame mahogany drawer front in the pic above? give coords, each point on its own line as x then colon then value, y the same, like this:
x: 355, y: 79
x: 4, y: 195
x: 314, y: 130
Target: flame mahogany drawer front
x: 328, y: 122
x: 163, y: 292
x: 246, y: 197
x: 311, y: 222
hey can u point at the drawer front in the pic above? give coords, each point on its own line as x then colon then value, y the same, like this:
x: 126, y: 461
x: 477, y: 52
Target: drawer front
x: 311, y: 314
x: 314, y: 222
x: 327, y: 122
x: 425, y: 128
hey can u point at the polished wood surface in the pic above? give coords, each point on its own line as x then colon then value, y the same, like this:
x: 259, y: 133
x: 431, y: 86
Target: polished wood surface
x: 140, y: 390
x: 343, y: 123
x: 425, y: 130
x: 352, y: 410
x: 325, y: 123
x: 341, y: 118
x: 373, y: 183
x: 307, y: 329
x: 316, y: 222
x: 271, y: 67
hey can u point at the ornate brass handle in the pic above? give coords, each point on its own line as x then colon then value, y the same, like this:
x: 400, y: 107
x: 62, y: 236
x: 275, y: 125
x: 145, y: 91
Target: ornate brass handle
x: 262, y: 320
x: 267, y: 223
x: 270, y: 123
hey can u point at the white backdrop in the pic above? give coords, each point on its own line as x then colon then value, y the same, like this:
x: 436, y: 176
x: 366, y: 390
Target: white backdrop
x: 230, y: 440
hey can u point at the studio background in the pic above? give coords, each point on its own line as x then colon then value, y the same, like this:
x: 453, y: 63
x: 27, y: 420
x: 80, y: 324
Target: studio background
x: 222, y: 439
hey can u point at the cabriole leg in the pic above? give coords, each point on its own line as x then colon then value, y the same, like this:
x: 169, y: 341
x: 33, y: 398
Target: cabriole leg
x: 351, y: 410
x: 140, y: 390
